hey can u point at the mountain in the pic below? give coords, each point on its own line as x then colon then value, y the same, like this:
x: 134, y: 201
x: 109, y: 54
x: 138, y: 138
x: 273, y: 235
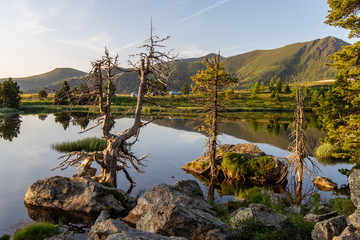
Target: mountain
x: 41, y: 81
x: 303, y: 61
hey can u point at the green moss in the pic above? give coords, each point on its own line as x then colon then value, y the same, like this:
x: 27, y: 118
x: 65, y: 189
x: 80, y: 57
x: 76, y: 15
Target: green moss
x: 199, y: 165
x: 239, y: 166
x: 38, y: 231
x: 118, y: 196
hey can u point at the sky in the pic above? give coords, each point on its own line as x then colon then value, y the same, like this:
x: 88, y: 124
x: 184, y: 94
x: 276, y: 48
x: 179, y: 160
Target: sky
x: 37, y: 36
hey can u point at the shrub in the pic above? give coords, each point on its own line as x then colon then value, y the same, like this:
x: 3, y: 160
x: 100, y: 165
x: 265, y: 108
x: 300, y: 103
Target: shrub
x: 253, y: 230
x: 5, y: 237
x: 36, y: 231
x: 326, y: 152
x: 343, y: 206
x: 87, y: 144
x: 305, y: 227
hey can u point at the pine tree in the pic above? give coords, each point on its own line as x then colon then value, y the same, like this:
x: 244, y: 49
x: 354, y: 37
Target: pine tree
x: 278, y: 85
x: 255, y: 90
x: 287, y: 88
x: 185, y: 89
x: 63, y: 95
x: 9, y: 94
x: 262, y: 87
x: 271, y: 85
x: 42, y: 94
x: 210, y: 82
x: 340, y: 111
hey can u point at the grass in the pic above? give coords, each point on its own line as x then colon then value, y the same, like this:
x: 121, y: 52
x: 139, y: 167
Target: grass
x: 38, y: 231
x: 325, y: 154
x: 87, y: 144
x: 238, y: 165
x: 250, y: 229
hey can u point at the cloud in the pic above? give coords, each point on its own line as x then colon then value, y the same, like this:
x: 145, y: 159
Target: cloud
x: 193, y: 51
x: 215, y: 5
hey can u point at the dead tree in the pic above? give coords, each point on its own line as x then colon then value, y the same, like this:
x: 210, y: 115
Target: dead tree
x: 298, y: 163
x: 116, y: 157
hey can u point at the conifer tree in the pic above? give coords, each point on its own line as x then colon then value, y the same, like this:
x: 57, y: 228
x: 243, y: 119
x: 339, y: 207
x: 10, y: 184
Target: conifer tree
x: 9, y: 94
x: 210, y: 82
x: 185, y: 89
x: 262, y: 87
x: 278, y: 85
x: 271, y: 85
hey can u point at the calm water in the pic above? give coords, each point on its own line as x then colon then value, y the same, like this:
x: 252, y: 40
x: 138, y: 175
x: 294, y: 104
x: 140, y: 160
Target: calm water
x: 169, y: 143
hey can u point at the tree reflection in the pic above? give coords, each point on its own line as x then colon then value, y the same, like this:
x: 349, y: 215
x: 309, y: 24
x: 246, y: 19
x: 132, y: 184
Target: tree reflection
x: 63, y: 119
x: 10, y: 127
x: 42, y: 116
x: 254, y: 125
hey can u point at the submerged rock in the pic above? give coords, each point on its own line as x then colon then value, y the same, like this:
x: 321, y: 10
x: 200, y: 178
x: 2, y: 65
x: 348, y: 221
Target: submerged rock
x: 201, y: 166
x: 178, y: 210
x: 324, y: 184
x: 78, y: 195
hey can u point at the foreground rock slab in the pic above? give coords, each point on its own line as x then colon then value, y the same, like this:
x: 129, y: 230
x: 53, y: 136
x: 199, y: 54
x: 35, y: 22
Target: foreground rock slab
x: 268, y: 218
x: 106, y: 228
x: 178, y: 210
x: 78, y: 195
x: 328, y: 229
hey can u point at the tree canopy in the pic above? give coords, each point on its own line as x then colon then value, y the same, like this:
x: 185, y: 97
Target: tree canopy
x: 340, y: 110
x: 9, y: 94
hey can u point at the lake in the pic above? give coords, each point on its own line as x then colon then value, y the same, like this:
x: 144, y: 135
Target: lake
x: 26, y: 153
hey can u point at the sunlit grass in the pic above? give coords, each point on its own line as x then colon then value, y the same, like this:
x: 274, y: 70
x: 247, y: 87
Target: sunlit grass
x: 38, y: 231
x: 87, y: 144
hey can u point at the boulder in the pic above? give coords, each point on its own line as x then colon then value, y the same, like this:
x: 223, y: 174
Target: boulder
x: 349, y: 233
x: 106, y: 228
x: 326, y: 230
x: 324, y: 184
x: 178, y: 210
x: 320, y: 213
x: 275, y: 198
x: 354, y: 185
x: 78, y: 195
x: 268, y: 218
x: 200, y: 166
x: 69, y: 235
x: 354, y: 219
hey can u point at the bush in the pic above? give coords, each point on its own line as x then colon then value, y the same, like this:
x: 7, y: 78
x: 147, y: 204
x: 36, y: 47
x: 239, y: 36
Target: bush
x: 253, y: 230
x: 88, y: 144
x: 305, y: 227
x: 326, y: 151
x: 343, y: 206
x: 38, y: 231
x: 5, y: 237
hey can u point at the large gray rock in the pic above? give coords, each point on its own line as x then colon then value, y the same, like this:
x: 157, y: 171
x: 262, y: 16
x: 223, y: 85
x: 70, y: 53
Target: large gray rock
x: 106, y: 228
x: 354, y: 184
x: 328, y: 229
x: 63, y: 236
x: 178, y: 210
x: 268, y: 218
x: 78, y: 195
x: 354, y: 219
x: 349, y: 233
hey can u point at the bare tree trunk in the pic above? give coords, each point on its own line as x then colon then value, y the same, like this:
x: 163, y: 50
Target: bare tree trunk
x: 213, y: 135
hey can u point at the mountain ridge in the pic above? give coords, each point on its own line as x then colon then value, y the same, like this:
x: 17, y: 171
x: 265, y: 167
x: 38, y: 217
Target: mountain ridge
x: 301, y: 60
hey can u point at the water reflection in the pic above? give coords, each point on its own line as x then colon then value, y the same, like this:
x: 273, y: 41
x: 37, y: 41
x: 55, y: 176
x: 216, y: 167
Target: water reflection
x: 10, y: 127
